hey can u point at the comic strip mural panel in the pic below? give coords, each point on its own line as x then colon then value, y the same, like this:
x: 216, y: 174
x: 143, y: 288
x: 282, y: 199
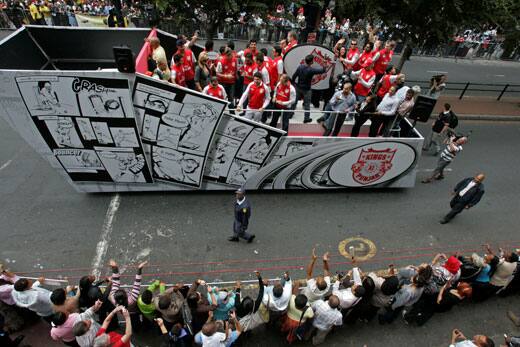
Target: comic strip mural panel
x: 89, y: 126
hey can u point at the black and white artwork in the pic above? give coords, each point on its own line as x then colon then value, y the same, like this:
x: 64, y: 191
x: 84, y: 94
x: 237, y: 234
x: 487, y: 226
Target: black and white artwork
x: 240, y: 171
x: 85, y: 128
x: 79, y: 160
x: 102, y: 98
x: 172, y: 165
x: 124, y: 137
x: 221, y: 156
x: 150, y: 128
x: 241, y: 147
x: 62, y: 131
x: 179, y: 125
x: 102, y: 133
x: 123, y: 165
x: 88, y: 125
x: 48, y: 95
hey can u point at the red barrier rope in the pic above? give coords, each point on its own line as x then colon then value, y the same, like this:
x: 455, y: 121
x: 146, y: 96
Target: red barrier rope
x: 259, y: 261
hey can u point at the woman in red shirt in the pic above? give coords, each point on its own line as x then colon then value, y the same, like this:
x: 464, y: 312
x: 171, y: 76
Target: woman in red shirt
x: 114, y: 339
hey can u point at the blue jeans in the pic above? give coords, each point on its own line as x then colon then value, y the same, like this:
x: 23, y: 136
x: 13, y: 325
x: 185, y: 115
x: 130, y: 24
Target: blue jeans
x: 306, y: 94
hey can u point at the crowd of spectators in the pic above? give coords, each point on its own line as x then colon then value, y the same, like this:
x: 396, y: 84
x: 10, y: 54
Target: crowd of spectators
x: 63, y: 12
x: 269, y: 27
x: 100, y: 312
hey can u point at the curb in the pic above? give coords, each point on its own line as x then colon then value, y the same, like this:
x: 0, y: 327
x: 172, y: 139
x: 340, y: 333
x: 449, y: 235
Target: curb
x: 483, y: 117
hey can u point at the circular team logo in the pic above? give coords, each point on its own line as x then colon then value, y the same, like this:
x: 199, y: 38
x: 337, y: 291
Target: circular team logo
x: 360, y: 248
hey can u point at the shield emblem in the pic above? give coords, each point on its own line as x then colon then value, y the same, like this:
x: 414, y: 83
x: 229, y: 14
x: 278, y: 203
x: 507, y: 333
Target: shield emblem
x: 322, y: 60
x: 372, y: 165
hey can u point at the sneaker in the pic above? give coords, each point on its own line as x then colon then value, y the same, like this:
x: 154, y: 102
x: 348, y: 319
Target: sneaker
x: 251, y: 238
x: 308, y: 120
x: 443, y: 221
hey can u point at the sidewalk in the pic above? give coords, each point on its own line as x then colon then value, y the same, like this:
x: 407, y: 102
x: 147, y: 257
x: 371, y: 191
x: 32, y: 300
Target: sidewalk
x: 481, y: 106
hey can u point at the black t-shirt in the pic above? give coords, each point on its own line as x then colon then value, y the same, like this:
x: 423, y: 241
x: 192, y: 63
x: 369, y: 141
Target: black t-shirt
x: 447, y: 302
x: 444, y: 118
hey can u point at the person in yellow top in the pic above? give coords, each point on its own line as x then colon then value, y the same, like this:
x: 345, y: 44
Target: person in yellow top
x: 36, y: 14
x: 46, y: 11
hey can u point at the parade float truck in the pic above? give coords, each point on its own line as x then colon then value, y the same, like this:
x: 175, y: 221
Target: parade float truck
x: 104, y: 130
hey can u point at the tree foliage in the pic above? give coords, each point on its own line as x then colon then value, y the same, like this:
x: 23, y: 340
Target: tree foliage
x: 429, y: 22
x: 212, y: 13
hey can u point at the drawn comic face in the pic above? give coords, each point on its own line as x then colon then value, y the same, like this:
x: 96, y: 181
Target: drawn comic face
x: 189, y: 165
x: 156, y: 103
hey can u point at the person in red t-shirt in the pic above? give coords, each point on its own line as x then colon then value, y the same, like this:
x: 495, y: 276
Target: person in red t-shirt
x: 352, y: 56
x: 284, y: 99
x: 293, y: 41
x: 382, y: 58
x: 114, y: 339
x: 367, y: 54
x: 188, y: 63
x: 389, y: 79
x: 177, y: 71
x: 271, y: 68
x: 251, y: 48
x: 227, y: 73
x: 263, y: 68
x: 257, y: 93
x: 248, y: 69
x: 214, y: 89
x: 278, y: 59
x: 365, y: 80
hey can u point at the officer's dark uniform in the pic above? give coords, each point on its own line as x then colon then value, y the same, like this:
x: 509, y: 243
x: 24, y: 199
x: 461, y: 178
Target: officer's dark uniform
x: 241, y: 222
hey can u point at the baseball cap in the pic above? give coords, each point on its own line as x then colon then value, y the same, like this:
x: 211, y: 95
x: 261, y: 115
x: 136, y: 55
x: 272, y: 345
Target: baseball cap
x: 240, y: 190
x: 452, y: 265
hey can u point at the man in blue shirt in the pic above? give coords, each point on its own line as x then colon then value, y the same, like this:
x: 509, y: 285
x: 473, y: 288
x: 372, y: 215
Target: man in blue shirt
x: 302, y: 79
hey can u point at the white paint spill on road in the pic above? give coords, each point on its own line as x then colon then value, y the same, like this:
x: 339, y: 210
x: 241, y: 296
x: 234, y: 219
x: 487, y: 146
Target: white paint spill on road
x: 102, y: 246
x: 6, y: 164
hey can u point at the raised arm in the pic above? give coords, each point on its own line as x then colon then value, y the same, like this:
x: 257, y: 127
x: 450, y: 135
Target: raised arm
x: 326, y: 270
x: 160, y: 324
x: 310, y: 267
x: 115, y: 278
x: 128, y: 326
x: 108, y: 319
x: 136, y: 287
x: 261, y: 289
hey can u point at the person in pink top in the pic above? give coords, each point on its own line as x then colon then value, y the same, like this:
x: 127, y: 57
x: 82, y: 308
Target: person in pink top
x: 63, y: 325
x: 7, y: 280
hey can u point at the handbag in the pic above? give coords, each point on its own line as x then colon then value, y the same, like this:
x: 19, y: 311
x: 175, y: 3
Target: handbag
x: 254, y: 319
x: 301, y: 330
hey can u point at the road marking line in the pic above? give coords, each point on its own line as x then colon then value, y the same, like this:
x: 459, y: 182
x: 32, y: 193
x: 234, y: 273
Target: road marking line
x: 437, y: 71
x: 102, y: 246
x: 499, y: 75
x: 6, y: 164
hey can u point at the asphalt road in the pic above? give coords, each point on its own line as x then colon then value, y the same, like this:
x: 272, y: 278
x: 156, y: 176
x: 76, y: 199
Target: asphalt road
x: 50, y: 229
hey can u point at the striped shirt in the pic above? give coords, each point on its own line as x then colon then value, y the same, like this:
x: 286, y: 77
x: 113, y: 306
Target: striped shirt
x: 132, y: 295
x: 448, y: 154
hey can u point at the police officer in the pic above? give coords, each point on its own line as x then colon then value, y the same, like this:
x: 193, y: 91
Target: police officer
x: 242, y: 215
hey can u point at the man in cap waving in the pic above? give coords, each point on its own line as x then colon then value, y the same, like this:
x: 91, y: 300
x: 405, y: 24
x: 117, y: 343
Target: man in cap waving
x: 242, y: 215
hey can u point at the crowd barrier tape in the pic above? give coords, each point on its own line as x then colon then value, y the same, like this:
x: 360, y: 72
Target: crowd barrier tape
x: 447, y: 249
